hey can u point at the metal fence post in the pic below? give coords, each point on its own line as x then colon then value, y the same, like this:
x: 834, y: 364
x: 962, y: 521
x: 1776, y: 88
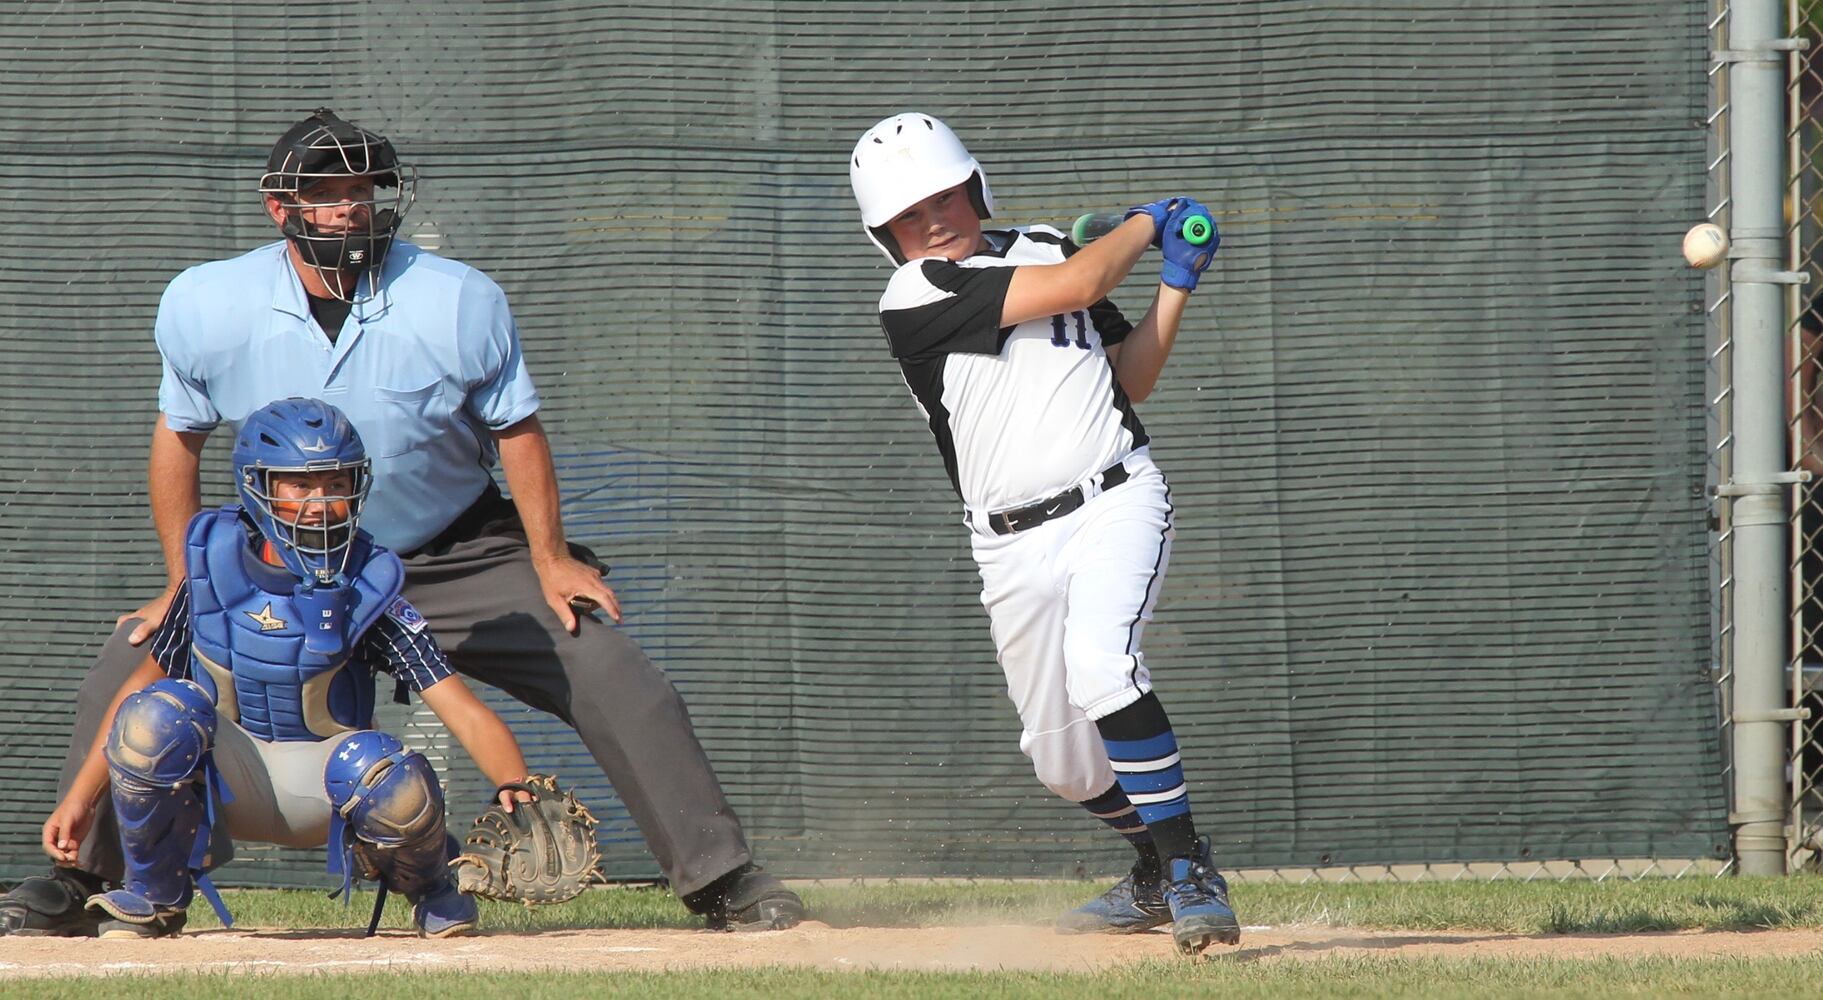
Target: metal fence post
x: 1756, y: 142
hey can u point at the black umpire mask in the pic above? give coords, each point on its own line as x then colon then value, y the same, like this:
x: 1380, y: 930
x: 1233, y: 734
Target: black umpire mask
x: 322, y: 147
x: 352, y: 252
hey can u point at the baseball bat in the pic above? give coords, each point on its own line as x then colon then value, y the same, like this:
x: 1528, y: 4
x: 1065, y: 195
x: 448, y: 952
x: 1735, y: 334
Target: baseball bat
x: 1197, y: 228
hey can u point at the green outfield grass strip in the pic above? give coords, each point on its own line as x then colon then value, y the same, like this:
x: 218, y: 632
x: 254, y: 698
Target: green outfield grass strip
x: 1154, y: 980
x: 1511, y: 907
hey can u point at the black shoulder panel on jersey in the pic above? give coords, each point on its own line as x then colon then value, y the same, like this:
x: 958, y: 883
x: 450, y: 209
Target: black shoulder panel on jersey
x: 1129, y: 417
x: 968, y: 322
x: 1053, y: 240
x: 1109, y: 322
x: 925, y: 379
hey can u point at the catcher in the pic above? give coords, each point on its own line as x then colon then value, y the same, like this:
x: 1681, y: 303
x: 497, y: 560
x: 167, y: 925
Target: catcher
x: 254, y: 709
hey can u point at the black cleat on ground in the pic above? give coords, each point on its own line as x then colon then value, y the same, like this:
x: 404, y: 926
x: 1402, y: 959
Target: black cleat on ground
x: 747, y: 899
x: 51, y: 906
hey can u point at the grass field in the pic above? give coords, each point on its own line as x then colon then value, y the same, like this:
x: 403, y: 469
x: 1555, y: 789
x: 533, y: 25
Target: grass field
x: 1509, y: 907
x: 1500, y: 911
x: 1347, y: 978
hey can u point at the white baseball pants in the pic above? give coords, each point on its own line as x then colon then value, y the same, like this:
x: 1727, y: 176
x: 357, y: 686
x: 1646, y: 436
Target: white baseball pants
x: 1069, y: 600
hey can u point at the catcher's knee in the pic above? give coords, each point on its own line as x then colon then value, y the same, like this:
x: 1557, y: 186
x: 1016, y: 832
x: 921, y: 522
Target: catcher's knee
x: 386, y: 814
x: 386, y: 794
x: 161, y: 734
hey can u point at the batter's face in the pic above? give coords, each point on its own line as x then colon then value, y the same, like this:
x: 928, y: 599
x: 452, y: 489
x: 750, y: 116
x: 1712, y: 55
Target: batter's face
x: 943, y: 225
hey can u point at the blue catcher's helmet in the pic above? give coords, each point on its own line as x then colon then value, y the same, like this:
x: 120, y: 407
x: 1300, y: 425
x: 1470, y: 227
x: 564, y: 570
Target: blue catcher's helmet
x: 303, y: 436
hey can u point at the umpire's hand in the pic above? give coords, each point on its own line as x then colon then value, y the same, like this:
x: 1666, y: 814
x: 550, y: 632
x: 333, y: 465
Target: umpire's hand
x: 570, y: 584
x: 150, y: 617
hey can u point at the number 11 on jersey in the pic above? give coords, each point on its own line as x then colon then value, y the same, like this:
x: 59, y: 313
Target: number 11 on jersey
x: 1082, y: 332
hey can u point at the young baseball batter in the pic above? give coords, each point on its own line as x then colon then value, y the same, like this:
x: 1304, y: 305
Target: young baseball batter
x: 261, y: 680
x: 1027, y: 375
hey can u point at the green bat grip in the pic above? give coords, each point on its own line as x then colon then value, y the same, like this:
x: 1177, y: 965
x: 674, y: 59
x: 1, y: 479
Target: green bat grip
x: 1198, y: 230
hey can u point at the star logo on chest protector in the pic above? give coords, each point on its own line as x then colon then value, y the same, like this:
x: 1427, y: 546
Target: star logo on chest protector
x: 264, y: 616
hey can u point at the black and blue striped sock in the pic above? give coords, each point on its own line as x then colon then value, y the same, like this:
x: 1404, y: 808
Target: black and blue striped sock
x: 1113, y: 808
x: 1143, y: 751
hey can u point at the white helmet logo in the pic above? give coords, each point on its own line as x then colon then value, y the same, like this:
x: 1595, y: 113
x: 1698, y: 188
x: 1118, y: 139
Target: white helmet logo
x: 321, y: 445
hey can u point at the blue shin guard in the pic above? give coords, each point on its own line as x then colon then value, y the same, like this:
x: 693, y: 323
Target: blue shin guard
x: 163, y: 784
x: 388, y: 824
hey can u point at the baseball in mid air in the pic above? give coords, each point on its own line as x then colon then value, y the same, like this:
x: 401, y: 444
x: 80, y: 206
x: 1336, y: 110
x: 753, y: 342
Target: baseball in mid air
x: 1705, y: 245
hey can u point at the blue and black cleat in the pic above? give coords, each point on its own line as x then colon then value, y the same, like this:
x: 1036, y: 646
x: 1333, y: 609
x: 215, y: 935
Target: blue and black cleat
x: 1198, y: 897
x: 1136, y: 903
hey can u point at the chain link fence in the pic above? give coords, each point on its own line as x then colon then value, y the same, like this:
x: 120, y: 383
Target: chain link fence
x: 1720, y: 382
x: 1804, y: 242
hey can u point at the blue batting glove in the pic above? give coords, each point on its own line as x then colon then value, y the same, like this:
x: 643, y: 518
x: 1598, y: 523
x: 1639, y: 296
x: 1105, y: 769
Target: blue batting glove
x: 1189, y: 240
x: 1160, y: 211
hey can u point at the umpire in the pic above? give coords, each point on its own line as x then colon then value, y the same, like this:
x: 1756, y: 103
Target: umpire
x: 423, y: 355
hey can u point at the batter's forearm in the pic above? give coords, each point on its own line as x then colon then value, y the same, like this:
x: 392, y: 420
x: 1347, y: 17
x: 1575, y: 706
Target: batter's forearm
x: 1084, y: 279
x: 1144, y: 352
x: 175, y: 486
x: 525, y: 457
x: 1104, y: 264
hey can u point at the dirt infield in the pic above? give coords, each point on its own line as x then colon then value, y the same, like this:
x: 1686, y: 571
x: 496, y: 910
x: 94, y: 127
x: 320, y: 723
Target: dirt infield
x: 817, y: 945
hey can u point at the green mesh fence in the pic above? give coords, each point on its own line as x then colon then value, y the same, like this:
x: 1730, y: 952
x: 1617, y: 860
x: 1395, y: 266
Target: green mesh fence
x: 1434, y: 425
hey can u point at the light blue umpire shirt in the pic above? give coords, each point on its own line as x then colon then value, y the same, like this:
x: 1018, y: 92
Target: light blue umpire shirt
x: 426, y: 370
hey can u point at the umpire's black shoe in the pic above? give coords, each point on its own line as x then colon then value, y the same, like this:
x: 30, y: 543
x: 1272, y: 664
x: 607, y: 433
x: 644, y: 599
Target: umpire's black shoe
x: 51, y: 905
x: 747, y: 899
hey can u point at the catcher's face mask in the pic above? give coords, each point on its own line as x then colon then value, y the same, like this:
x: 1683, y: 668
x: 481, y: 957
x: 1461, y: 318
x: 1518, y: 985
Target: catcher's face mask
x: 308, y: 448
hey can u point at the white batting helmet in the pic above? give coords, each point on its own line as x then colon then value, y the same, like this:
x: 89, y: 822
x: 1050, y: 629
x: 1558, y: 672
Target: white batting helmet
x: 904, y: 160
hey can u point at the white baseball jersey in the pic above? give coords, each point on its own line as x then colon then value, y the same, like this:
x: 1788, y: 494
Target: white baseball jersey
x: 1020, y: 413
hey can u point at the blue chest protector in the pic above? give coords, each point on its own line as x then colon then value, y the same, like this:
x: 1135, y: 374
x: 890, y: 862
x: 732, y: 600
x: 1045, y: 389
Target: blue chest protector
x: 273, y: 654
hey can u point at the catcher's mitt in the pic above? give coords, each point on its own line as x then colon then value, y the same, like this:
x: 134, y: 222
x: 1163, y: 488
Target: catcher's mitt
x: 544, y: 851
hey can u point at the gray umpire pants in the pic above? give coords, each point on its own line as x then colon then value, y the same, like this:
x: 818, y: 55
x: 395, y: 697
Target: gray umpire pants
x: 483, y: 603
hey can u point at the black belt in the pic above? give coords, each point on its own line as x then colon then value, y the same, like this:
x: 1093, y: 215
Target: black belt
x: 1032, y: 515
x: 490, y: 507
